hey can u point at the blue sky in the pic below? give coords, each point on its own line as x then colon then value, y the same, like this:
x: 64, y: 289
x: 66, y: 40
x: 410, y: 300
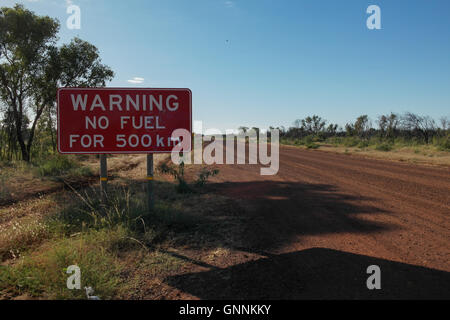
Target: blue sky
x: 268, y: 62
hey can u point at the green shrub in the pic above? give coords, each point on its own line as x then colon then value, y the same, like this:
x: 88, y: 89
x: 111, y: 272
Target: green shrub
x: 363, y: 144
x: 308, y: 140
x: 312, y: 145
x: 204, y: 175
x: 178, y: 174
x: 444, y: 144
x: 81, y: 172
x: 384, y: 147
x: 56, y: 166
x: 351, y: 142
x: 335, y: 141
x: 320, y: 137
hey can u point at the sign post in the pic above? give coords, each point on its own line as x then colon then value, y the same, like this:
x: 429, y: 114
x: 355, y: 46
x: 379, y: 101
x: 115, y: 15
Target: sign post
x: 150, y: 193
x: 122, y: 121
x: 103, y: 177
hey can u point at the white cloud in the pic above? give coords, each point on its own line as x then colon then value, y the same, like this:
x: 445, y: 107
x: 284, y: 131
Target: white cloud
x: 229, y: 4
x: 136, y: 80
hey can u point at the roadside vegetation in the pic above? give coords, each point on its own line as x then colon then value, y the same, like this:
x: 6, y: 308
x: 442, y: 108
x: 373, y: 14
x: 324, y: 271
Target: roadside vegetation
x: 404, y: 137
x: 86, y: 233
x: 20, y: 180
x: 387, y: 133
x: 118, y: 245
x: 178, y: 174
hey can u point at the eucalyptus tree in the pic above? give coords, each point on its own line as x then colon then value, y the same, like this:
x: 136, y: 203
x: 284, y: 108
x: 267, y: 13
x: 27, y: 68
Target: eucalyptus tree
x: 423, y: 126
x: 313, y: 125
x: 32, y: 67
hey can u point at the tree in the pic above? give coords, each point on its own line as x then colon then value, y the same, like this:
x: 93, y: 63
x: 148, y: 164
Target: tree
x: 423, y: 125
x: 76, y: 64
x: 9, y: 145
x: 388, y: 124
x: 362, y: 125
x: 444, y: 123
x: 349, y: 129
x: 313, y: 125
x: 32, y: 68
x: 332, y: 129
x: 24, y: 42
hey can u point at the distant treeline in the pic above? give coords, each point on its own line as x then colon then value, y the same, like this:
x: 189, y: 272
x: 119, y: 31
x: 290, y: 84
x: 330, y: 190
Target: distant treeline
x: 407, y: 128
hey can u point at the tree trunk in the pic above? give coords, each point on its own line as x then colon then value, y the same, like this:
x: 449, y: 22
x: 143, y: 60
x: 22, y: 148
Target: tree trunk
x: 24, y: 150
x: 50, y: 124
x: 18, y: 119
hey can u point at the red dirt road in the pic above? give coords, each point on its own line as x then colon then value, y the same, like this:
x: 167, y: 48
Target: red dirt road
x: 324, y: 218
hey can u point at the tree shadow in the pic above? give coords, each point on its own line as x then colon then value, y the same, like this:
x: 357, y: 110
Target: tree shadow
x: 316, y: 273
x: 281, y: 212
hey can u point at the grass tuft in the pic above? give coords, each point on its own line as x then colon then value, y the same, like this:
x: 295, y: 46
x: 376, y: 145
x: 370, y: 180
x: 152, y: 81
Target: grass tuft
x: 44, y: 273
x: 61, y: 165
x: 384, y: 147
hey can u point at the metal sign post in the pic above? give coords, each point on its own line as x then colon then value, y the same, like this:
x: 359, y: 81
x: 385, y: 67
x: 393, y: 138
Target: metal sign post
x: 103, y: 177
x: 150, y: 195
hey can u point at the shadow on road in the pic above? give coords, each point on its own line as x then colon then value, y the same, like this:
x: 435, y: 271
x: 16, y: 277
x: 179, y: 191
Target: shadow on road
x: 284, y: 211
x: 316, y: 273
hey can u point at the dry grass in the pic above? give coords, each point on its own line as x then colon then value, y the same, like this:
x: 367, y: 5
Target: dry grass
x: 37, y: 242
x: 425, y: 155
x: 19, y: 180
x: 22, y: 227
